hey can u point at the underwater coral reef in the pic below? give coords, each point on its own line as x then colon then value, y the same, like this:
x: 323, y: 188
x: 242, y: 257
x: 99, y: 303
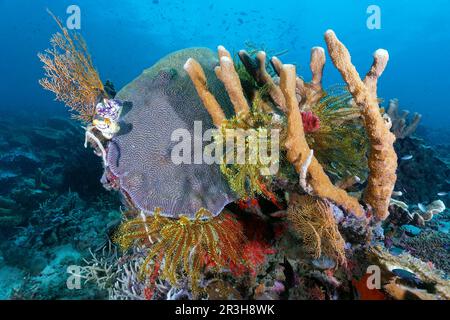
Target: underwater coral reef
x: 52, y: 208
x: 328, y: 184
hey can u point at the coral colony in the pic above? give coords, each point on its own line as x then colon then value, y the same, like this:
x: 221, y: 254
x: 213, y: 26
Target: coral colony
x: 292, y: 203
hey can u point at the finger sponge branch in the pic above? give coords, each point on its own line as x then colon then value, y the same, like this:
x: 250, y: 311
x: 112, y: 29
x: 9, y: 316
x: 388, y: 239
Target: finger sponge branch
x: 230, y: 79
x: 197, y: 75
x: 298, y: 150
x: 382, y: 157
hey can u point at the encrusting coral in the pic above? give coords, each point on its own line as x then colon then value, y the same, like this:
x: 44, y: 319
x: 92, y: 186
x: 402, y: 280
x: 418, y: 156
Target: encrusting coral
x: 71, y: 75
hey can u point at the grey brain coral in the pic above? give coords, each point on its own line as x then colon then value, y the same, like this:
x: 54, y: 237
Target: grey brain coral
x: 163, y: 100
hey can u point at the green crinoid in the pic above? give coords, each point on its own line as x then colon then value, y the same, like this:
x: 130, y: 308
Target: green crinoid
x: 340, y: 144
x: 252, y: 143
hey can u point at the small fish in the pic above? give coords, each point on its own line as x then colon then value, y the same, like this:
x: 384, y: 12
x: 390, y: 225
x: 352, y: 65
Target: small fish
x: 408, y: 157
x: 407, y: 276
x: 442, y: 194
x: 422, y: 207
x: 279, y: 214
x: 397, y: 193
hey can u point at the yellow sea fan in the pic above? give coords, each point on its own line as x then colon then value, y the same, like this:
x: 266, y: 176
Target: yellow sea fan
x: 312, y: 218
x: 184, y: 245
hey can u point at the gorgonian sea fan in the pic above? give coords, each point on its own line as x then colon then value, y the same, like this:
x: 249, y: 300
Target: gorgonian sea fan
x: 70, y: 74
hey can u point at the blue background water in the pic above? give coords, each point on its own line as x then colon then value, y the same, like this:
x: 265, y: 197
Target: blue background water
x: 125, y: 37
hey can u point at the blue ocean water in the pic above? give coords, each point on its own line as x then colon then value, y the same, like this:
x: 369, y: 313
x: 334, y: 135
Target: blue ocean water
x: 124, y: 37
x: 53, y: 182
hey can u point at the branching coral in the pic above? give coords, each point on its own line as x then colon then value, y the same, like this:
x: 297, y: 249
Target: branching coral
x: 128, y: 285
x: 312, y: 218
x: 400, y: 128
x: 71, y: 75
x: 382, y: 156
x: 101, y: 267
x: 437, y: 285
x: 184, y: 244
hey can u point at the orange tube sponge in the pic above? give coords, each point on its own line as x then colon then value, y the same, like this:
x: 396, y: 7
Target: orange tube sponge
x: 197, y: 75
x: 382, y: 156
x: 299, y: 153
x: 226, y: 73
x: 230, y: 79
x: 310, y: 93
x: 257, y: 69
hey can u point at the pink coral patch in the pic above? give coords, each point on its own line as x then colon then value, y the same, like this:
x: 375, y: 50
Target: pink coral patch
x: 311, y: 122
